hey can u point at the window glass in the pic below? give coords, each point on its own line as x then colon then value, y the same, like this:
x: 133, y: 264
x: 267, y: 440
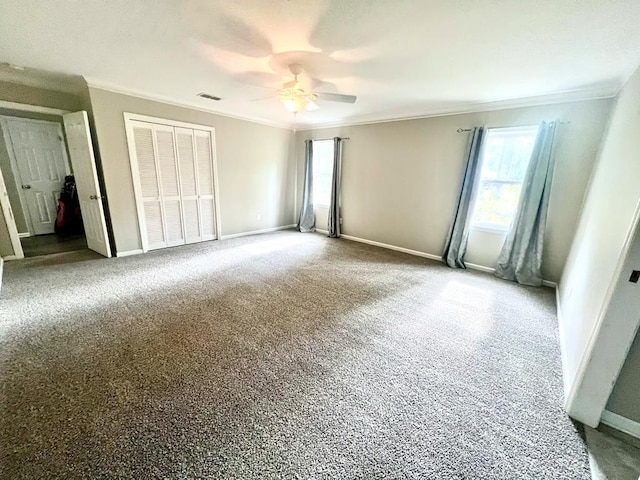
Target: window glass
x: 322, y: 171
x: 505, y: 159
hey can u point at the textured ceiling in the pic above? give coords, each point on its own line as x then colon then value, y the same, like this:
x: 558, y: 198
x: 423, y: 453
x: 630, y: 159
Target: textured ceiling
x: 401, y: 58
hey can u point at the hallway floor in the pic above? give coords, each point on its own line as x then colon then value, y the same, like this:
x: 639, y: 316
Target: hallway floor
x: 53, y: 243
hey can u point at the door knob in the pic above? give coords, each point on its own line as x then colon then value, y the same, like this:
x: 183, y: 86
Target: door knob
x: 95, y: 197
x: 26, y: 187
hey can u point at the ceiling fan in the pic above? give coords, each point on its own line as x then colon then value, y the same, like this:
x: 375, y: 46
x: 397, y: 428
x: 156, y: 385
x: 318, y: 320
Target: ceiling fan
x: 296, y: 99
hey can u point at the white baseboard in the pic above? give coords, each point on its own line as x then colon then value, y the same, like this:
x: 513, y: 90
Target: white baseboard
x: 621, y: 423
x: 24, y: 235
x: 128, y: 253
x: 392, y: 247
x: 324, y: 232
x: 9, y: 257
x: 431, y: 256
x: 257, y: 232
x: 481, y: 268
x: 563, y: 357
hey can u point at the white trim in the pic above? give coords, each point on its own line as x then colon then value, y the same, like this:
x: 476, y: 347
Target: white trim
x: 10, y: 221
x: 256, y: 232
x: 393, y: 247
x: 165, y: 122
x: 324, y: 232
x: 128, y: 253
x: 480, y: 268
x: 216, y: 188
x: 25, y: 107
x: 10, y: 257
x: 470, y: 266
x: 109, y: 87
x: 24, y: 235
x: 552, y: 99
x: 501, y: 231
x: 561, y: 337
x: 577, y: 95
x: 623, y: 424
x: 588, y: 412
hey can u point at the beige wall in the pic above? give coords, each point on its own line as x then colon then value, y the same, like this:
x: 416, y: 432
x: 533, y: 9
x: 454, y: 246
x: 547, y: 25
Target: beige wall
x: 13, y: 92
x: 256, y: 174
x: 595, y: 333
x: 400, y: 179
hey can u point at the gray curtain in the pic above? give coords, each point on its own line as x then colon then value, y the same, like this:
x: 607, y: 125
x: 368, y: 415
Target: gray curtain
x: 333, y: 225
x: 521, y: 257
x: 456, y: 244
x: 307, y: 220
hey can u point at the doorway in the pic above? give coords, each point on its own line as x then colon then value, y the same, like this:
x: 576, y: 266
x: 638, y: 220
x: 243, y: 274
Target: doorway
x: 41, y: 186
x: 50, y: 193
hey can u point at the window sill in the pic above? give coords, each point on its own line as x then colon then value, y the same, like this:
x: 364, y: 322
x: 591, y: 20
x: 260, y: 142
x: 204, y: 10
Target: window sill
x: 489, y: 229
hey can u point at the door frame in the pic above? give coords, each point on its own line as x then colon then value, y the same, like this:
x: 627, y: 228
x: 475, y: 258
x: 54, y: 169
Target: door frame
x: 131, y: 117
x: 4, y: 121
x: 10, y: 221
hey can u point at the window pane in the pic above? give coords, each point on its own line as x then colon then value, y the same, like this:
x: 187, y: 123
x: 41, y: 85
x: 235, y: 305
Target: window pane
x: 505, y: 160
x: 496, y: 203
x: 322, y: 171
x: 322, y: 189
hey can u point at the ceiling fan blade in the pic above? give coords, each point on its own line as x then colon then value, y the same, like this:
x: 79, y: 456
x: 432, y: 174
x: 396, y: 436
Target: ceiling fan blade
x: 336, y: 97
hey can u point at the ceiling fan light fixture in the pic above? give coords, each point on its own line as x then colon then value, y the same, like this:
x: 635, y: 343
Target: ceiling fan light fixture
x: 294, y: 104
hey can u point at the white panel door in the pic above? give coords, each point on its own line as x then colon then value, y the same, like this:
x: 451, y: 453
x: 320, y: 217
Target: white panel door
x: 40, y: 157
x: 76, y: 126
x: 189, y: 184
x: 206, y: 194
x: 149, y: 187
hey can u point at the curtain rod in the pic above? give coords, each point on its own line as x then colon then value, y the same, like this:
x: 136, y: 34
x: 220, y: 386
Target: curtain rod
x: 460, y: 130
x: 325, y: 139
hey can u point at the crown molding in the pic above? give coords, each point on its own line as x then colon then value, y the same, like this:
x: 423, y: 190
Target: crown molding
x: 535, y: 101
x: 113, y: 88
x: 474, y: 107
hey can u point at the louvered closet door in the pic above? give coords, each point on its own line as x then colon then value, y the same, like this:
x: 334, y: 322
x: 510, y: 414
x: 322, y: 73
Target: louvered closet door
x: 169, y: 184
x: 185, y: 140
x: 204, y: 163
x: 152, y: 221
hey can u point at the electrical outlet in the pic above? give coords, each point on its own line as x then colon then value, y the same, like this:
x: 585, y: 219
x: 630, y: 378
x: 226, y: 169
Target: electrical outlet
x: 259, y: 216
x: 340, y: 220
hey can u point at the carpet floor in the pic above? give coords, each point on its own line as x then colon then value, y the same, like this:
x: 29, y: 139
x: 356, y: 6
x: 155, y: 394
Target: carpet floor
x: 284, y: 355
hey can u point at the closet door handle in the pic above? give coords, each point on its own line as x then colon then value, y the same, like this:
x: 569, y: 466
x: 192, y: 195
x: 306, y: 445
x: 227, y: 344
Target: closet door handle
x: 95, y: 197
x: 26, y: 187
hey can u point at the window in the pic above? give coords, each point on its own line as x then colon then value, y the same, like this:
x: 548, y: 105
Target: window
x: 322, y: 172
x: 505, y: 158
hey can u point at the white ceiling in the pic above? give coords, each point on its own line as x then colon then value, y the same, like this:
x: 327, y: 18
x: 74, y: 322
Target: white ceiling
x: 402, y: 58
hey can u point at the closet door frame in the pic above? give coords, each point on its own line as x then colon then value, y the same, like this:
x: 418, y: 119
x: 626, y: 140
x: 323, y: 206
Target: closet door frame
x: 129, y: 118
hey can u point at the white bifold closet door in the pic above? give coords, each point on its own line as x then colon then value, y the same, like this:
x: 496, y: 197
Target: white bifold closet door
x: 176, y: 188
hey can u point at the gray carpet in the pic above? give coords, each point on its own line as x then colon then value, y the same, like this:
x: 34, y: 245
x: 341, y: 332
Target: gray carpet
x: 279, y: 356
